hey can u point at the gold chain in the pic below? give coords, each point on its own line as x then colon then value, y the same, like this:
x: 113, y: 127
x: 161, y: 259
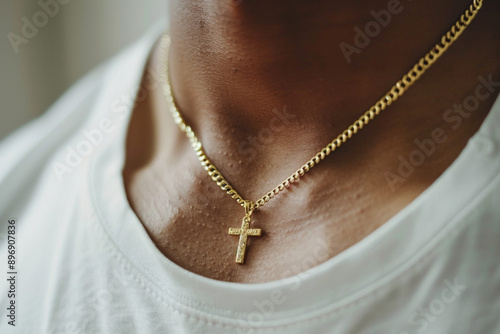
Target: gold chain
x: 392, y: 95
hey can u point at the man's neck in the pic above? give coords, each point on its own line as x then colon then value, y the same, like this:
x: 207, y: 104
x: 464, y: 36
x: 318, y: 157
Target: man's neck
x: 240, y: 72
x: 239, y: 60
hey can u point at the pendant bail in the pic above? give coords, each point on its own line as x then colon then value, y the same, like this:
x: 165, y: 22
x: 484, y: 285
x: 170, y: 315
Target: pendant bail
x: 249, y: 207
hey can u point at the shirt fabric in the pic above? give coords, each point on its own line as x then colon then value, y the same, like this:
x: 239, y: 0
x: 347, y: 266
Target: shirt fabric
x: 85, y: 263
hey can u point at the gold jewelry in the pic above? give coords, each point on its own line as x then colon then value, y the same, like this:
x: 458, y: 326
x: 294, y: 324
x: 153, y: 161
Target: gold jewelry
x: 392, y: 95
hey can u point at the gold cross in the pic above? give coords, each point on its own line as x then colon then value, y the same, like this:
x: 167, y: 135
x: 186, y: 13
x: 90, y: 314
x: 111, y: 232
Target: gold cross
x: 244, y: 231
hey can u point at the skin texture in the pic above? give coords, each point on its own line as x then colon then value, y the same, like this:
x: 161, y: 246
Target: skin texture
x: 232, y: 63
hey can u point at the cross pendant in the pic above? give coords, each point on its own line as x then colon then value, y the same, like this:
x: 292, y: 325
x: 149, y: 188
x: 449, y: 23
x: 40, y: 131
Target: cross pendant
x: 244, y: 231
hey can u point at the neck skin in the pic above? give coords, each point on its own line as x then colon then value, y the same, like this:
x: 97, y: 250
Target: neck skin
x: 250, y: 56
x: 233, y: 62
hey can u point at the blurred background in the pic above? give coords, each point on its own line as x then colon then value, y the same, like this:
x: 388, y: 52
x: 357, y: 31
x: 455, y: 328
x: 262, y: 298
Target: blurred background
x: 46, y: 45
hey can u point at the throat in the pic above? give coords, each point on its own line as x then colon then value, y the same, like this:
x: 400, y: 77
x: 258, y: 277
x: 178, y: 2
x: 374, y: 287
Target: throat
x: 235, y: 70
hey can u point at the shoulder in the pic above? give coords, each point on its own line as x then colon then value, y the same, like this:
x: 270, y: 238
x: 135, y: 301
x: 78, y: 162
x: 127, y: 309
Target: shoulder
x: 103, y: 94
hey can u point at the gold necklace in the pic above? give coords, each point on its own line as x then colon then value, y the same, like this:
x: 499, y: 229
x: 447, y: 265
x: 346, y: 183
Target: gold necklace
x: 396, y: 91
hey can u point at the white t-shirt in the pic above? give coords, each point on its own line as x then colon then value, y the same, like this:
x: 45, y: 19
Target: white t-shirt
x: 83, y: 262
